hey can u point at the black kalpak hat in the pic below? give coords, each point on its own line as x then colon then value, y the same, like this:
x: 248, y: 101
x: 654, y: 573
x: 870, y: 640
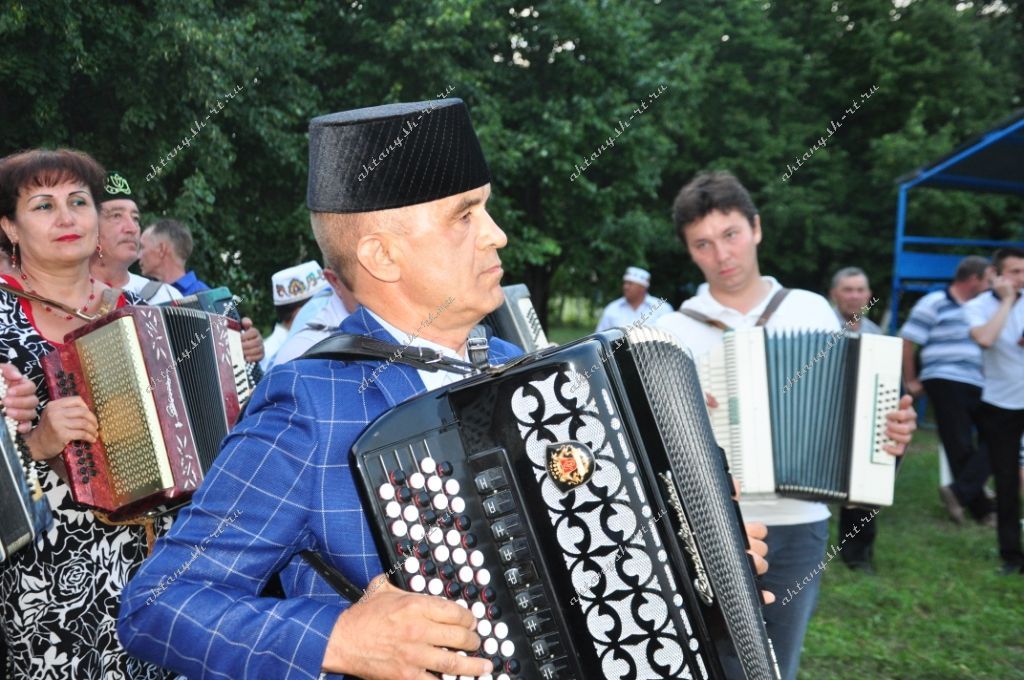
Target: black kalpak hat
x: 115, y: 187
x: 392, y: 156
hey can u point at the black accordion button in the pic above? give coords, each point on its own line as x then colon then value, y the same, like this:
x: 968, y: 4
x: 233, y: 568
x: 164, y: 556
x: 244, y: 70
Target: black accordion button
x: 471, y: 591
x: 444, y: 468
x: 488, y: 594
x: 398, y: 477
x: 463, y: 522
x: 404, y: 494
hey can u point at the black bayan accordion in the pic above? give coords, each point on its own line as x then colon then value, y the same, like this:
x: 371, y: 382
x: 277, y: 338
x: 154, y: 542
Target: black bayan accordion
x: 166, y: 385
x: 576, y: 502
x: 802, y: 413
x: 24, y: 511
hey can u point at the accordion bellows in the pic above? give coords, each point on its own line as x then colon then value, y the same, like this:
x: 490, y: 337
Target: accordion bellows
x: 802, y: 413
x: 24, y: 511
x: 162, y: 384
x: 576, y: 502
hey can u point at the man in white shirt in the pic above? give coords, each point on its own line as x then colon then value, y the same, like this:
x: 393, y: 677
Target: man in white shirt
x: 338, y: 304
x: 120, y: 228
x: 716, y: 219
x: 635, y: 305
x: 292, y: 288
x: 996, y: 319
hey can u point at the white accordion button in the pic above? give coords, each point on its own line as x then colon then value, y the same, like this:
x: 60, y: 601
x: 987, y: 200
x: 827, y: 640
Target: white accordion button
x: 440, y: 501
x: 393, y: 509
x: 412, y: 565
x: 501, y: 631
x: 436, y: 535
x: 435, y: 587
x: 417, y: 532
x: 483, y: 577
x: 418, y: 583
x: 457, y: 505
x: 441, y: 553
x: 479, y: 610
x: 386, y: 491
x: 483, y: 627
x: 453, y: 538
x: 410, y: 513
x: 490, y: 646
x: 428, y: 466
x: 476, y: 558
x: 434, y: 483
x: 465, y: 574
x: 459, y: 557
x: 451, y: 487
x: 462, y: 603
x: 399, y: 528
x: 508, y: 648
x: 416, y: 480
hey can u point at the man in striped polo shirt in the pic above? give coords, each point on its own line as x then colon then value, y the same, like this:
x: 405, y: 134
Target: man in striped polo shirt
x: 952, y: 378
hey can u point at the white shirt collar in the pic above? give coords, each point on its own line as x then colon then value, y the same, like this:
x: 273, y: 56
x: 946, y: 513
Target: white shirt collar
x: 705, y: 303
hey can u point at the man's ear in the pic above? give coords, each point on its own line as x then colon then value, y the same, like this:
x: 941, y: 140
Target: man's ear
x: 375, y: 254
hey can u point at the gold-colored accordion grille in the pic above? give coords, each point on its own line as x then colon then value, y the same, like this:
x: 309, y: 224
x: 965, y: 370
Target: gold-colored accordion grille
x: 116, y: 374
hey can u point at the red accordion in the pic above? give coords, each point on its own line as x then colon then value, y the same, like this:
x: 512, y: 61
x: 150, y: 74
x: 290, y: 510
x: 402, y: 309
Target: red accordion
x: 166, y: 384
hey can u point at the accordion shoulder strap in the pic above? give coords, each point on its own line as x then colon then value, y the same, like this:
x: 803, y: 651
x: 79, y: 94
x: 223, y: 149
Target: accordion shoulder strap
x: 769, y: 309
x: 346, y: 347
x: 150, y: 289
x: 772, y: 305
x: 703, y: 318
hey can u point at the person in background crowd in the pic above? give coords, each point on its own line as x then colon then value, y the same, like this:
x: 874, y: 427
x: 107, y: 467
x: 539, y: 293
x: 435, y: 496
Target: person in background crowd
x: 996, y: 320
x: 292, y: 288
x: 635, y: 304
x: 166, y: 247
x: 59, y: 596
x: 119, y: 244
x: 951, y: 377
x: 850, y: 294
x: 717, y: 221
x: 340, y: 302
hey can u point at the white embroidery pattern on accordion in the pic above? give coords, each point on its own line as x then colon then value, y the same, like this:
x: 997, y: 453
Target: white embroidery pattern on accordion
x: 627, y: 614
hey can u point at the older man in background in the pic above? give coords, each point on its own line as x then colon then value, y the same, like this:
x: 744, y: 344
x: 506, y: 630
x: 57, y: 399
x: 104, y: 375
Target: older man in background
x: 635, y: 305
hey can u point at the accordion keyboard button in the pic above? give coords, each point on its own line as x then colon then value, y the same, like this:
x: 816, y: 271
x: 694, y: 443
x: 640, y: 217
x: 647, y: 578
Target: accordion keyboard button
x: 434, y: 484
x: 417, y: 532
x: 441, y: 553
x: 483, y: 577
x: 488, y: 594
x: 466, y: 574
x: 459, y: 557
x: 435, y: 587
x: 440, y: 501
x: 517, y: 550
x: 508, y: 648
x: 479, y: 610
x: 501, y: 631
x: 513, y: 666
x: 490, y: 480
x: 428, y: 465
x: 417, y: 480
x: 490, y: 646
x: 530, y: 599
x: 476, y: 558
x: 483, y: 627
x: 397, y: 477
x: 458, y: 505
x: 386, y: 492
x: 463, y: 522
x: 451, y: 487
x: 471, y: 591
x: 445, y: 468
x: 417, y: 583
x: 500, y: 503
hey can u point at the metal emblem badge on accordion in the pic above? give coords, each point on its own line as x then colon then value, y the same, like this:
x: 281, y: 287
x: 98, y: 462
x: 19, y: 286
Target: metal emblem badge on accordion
x: 165, y: 388
x: 570, y: 464
x: 588, y: 526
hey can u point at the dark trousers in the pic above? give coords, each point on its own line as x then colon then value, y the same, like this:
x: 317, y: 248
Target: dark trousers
x: 957, y: 409
x: 1002, y: 429
x: 857, y: 525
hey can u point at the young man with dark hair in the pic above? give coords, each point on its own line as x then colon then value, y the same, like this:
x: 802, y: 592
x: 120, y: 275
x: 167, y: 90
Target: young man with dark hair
x: 951, y: 376
x: 996, y: 320
x: 718, y: 223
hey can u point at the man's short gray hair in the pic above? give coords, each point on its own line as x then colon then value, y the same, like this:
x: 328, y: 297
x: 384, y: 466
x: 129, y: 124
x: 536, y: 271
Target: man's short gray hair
x: 177, y: 234
x: 845, y: 273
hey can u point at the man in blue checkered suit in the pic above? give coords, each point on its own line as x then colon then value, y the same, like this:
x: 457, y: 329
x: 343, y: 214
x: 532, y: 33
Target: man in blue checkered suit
x: 398, y: 198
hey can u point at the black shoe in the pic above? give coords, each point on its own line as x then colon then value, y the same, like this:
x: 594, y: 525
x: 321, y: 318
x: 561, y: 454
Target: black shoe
x: 862, y: 566
x: 1011, y: 568
x: 953, y: 507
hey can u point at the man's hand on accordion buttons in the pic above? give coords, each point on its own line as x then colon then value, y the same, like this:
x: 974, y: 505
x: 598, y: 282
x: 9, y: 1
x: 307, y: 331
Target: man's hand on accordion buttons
x: 756, y: 533
x: 900, y: 426
x: 252, y: 342
x: 394, y: 635
x: 63, y: 420
x: 21, y: 401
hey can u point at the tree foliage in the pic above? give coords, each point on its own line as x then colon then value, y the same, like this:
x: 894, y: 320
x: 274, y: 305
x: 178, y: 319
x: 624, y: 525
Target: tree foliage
x: 744, y: 85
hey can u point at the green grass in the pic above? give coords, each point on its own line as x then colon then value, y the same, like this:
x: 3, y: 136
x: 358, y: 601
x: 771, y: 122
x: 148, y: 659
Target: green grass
x: 936, y: 608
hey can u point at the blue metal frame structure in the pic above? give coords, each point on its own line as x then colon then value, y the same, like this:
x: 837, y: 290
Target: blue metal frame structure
x: 993, y: 163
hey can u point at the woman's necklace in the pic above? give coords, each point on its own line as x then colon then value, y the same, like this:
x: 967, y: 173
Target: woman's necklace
x: 48, y: 308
